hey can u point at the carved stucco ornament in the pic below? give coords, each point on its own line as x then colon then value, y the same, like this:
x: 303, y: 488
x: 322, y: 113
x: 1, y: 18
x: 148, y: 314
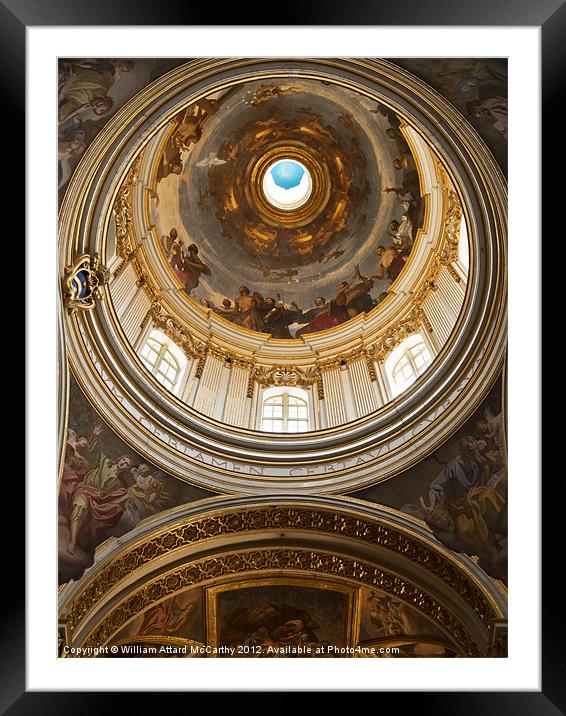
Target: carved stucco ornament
x: 287, y: 375
x: 83, y: 283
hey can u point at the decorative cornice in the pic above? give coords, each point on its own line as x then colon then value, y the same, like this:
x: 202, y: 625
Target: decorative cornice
x: 397, y: 334
x: 452, y: 218
x: 123, y: 212
x: 197, y: 572
x: 178, y: 333
x: 279, y: 518
x: 280, y: 375
x: 83, y: 283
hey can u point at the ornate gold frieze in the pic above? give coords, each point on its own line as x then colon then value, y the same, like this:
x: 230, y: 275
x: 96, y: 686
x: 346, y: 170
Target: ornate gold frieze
x: 329, y: 364
x: 175, y: 330
x: 452, y: 216
x: 241, y: 362
x: 278, y: 518
x: 83, y: 283
x: 370, y: 360
x: 397, y: 334
x: 194, y: 573
x: 123, y: 211
x: 290, y: 375
x: 219, y: 353
x: 251, y: 385
x: 200, y: 368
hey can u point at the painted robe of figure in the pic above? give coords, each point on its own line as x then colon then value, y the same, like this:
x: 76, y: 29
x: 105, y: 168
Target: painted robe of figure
x: 98, y: 502
x: 472, y: 506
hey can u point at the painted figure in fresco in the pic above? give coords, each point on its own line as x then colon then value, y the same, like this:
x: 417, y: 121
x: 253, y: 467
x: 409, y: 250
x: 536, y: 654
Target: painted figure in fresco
x: 277, y: 319
x: 494, y: 107
x: 402, y: 231
x: 353, y: 297
x: 171, y: 162
x: 145, y: 497
x: 387, y: 615
x: 248, y: 310
x: 466, y: 504
x: 193, y: 268
x: 98, y: 500
x: 462, y: 81
x: 86, y: 89
x: 410, y: 181
x: 75, y: 468
x: 184, y: 261
x: 272, y: 626
x: 71, y: 145
x: 388, y: 264
x: 174, y: 249
x: 320, y: 306
x: 165, y: 618
x: 266, y: 92
x: 226, y: 310
x: 190, y: 122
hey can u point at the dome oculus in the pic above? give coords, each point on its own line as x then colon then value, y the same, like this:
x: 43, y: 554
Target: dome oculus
x: 287, y: 184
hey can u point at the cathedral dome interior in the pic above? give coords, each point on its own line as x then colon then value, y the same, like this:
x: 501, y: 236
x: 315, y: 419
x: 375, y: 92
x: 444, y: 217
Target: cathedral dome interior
x: 283, y: 337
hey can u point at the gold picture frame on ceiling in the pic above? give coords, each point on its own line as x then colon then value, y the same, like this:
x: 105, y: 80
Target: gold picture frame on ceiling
x: 293, y: 643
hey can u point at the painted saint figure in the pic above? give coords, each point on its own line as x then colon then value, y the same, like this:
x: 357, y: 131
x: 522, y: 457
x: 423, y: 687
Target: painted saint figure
x: 472, y: 509
x: 98, y: 500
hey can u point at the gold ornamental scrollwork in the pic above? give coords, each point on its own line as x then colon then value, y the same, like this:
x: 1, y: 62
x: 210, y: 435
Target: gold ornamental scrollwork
x: 281, y: 375
x: 175, y: 330
x: 288, y: 519
x: 397, y: 334
x: 194, y: 573
x: 123, y: 212
x: 83, y: 283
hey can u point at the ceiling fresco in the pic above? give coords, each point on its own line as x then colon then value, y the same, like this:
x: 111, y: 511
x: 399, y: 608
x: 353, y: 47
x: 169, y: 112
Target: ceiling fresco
x: 267, y: 265
x: 276, y: 618
x: 460, y: 491
x: 90, y: 92
x: 106, y: 488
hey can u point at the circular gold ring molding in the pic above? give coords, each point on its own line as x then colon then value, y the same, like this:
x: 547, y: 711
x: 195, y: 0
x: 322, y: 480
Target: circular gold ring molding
x: 320, y: 177
x: 372, y: 449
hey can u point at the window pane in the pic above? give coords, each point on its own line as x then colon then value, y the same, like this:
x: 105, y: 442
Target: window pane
x: 297, y: 426
x: 272, y: 426
x: 285, y: 413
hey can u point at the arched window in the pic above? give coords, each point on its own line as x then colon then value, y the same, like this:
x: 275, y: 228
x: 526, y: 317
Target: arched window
x: 162, y: 360
x: 285, y: 410
x: 409, y: 360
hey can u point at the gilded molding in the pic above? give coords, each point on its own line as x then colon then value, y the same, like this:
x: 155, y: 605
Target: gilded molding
x: 193, y: 573
x: 200, y: 367
x: 83, y: 283
x: 251, y: 385
x: 219, y: 353
x: 370, y: 360
x: 123, y: 212
x: 277, y: 518
x: 444, y: 255
x: 397, y: 334
x: 176, y: 331
x: 290, y: 375
x: 241, y: 362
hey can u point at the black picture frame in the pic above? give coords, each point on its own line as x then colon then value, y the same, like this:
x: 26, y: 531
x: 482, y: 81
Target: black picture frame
x: 15, y: 17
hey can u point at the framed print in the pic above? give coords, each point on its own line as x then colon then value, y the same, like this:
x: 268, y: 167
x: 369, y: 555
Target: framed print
x: 289, y: 415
